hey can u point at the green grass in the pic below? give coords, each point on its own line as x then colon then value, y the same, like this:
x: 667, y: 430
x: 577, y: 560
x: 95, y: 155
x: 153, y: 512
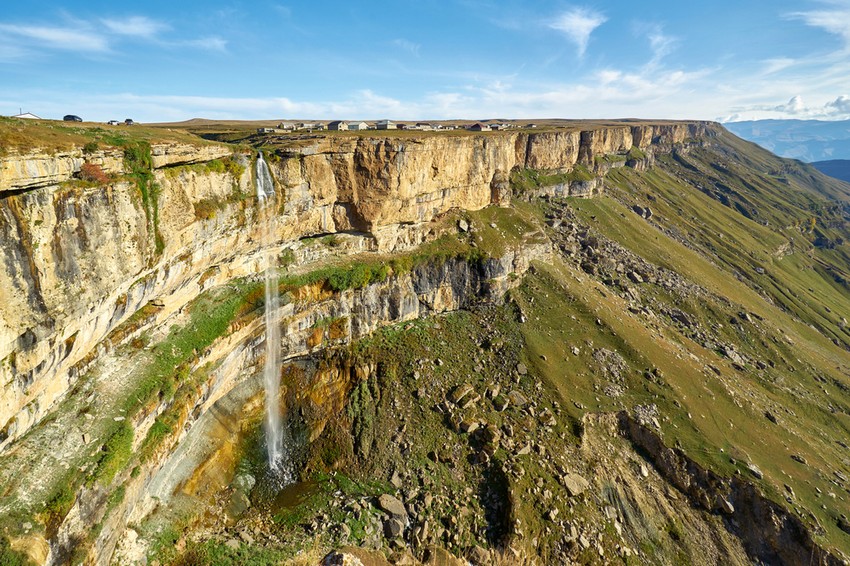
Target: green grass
x: 526, y: 181
x: 9, y: 557
x: 116, y: 453
x: 217, y: 553
x: 20, y: 135
x: 341, y: 277
x: 210, y: 316
x: 229, y: 165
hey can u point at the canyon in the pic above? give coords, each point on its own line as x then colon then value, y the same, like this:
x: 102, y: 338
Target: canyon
x: 132, y: 340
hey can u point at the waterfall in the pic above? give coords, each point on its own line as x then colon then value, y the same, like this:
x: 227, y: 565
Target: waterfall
x: 277, y: 445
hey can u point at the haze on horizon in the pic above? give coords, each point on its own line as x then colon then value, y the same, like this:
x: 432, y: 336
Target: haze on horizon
x: 432, y: 59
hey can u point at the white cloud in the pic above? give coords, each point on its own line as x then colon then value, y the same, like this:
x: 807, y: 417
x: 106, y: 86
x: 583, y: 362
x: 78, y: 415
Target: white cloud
x: 794, y: 106
x: 836, y: 109
x: 59, y: 38
x: 135, y: 26
x: 840, y: 105
x: 577, y: 24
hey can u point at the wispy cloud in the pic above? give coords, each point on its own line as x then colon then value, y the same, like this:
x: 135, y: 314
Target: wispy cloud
x: 777, y: 64
x: 409, y: 46
x: 660, y: 43
x: 835, y: 19
x: 577, y: 24
x: 283, y: 10
x: 135, y: 26
x: 206, y: 43
x: 94, y: 37
x: 67, y: 39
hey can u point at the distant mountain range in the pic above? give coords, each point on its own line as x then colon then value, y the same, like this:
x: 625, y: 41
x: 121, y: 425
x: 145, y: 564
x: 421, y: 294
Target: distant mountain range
x: 806, y: 140
x: 838, y: 168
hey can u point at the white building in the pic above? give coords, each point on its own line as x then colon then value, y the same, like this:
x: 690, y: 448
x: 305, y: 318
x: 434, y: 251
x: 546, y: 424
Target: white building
x: 385, y: 125
x: 355, y: 126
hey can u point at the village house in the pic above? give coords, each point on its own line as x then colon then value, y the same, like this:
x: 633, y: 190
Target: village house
x: 266, y: 130
x: 479, y: 127
x: 338, y: 126
x: 355, y: 126
x: 385, y: 125
x: 27, y: 115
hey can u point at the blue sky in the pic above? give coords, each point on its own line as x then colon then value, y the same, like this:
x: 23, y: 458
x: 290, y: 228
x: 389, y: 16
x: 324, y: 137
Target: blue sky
x: 426, y: 59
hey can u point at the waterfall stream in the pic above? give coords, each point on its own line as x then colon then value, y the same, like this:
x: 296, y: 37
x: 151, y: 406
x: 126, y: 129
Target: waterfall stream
x: 277, y: 445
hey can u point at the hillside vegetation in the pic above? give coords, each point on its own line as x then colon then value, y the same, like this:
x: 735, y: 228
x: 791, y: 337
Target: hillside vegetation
x: 657, y: 375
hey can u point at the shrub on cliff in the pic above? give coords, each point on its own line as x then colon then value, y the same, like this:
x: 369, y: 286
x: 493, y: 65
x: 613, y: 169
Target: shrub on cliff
x: 92, y: 173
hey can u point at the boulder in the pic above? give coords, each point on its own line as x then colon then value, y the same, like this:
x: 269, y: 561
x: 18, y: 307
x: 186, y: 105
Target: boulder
x: 393, y: 528
x: 517, y: 398
x: 500, y: 403
x: 575, y: 484
x: 479, y: 556
x: 338, y: 558
x: 393, y: 506
x: 755, y: 471
x: 725, y: 505
x: 460, y: 392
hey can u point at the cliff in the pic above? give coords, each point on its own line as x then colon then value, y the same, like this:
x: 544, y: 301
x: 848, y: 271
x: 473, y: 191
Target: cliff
x: 80, y: 259
x: 132, y: 337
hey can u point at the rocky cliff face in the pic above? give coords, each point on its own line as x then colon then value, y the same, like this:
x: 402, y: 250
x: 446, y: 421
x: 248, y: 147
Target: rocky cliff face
x: 315, y: 318
x: 79, y: 260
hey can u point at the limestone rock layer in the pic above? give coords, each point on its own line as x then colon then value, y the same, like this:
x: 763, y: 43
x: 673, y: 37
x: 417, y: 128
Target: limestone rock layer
x: 79, y: 260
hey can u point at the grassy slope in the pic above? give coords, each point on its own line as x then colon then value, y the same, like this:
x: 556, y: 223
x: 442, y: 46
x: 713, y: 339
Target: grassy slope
x: 800, y: 304
x: 20, y: 135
